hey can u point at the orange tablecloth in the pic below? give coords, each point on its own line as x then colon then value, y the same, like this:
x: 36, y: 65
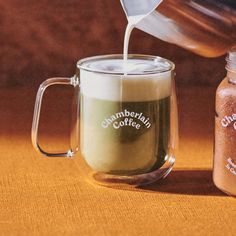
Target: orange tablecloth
x: 42, y: 196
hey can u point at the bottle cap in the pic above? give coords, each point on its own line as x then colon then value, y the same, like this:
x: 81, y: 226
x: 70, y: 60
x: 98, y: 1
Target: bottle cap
x: 231, y: 60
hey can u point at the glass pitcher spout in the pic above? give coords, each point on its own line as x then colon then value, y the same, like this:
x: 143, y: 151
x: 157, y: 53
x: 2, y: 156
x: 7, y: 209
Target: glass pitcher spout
x: 207, y: 28
x: 139, y: 7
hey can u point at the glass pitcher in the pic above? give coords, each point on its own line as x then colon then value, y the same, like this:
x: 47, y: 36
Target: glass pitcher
x: 205, y: 27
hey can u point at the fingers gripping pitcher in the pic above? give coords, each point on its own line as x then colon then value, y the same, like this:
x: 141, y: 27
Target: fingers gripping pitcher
x: 127, y: 118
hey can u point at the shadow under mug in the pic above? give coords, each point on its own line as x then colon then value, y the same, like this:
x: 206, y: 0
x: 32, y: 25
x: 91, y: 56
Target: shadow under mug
x: 126, y: 127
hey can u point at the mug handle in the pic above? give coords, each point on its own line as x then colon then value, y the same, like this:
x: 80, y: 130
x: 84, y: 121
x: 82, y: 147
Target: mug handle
x: 73, y: 81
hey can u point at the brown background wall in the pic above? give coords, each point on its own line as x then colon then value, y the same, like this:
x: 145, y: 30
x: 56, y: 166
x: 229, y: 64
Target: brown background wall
x: 41, y: 39
x: 42, y: 196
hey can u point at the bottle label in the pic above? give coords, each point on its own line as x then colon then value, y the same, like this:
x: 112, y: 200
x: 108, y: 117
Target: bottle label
x: 231, y: 166
x: 227, y: 120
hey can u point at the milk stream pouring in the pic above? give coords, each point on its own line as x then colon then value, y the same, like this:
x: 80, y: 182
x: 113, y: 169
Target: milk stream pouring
x: 205, y: 27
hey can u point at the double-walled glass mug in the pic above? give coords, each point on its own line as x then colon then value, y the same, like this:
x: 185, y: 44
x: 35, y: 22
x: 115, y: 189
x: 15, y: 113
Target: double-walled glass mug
x: 126, y: 127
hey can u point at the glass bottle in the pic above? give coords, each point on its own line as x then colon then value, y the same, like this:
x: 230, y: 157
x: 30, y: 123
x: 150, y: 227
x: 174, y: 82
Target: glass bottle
x: 224, y: 169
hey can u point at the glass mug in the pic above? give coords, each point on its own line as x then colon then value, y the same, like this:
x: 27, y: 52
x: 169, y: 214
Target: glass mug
x: 126, y: 127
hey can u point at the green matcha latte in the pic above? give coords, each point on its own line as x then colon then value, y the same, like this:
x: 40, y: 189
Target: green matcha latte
x: 125, y: 119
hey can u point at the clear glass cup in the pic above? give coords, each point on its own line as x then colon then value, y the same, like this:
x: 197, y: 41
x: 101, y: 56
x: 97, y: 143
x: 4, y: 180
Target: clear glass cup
x: 126, y: 128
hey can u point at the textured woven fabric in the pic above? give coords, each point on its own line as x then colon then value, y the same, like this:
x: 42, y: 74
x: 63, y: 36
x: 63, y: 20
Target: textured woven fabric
x: 40, y: 196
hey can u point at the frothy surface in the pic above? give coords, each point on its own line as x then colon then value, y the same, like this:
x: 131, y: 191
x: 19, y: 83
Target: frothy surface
x: 132, y: 66
x: 147, y: 80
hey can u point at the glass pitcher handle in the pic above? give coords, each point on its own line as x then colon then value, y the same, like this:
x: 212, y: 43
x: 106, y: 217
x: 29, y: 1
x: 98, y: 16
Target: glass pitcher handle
x: 73, y: 81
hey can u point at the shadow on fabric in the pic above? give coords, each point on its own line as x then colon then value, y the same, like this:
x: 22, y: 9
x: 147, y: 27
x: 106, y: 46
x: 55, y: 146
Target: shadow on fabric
x: 188, y: 182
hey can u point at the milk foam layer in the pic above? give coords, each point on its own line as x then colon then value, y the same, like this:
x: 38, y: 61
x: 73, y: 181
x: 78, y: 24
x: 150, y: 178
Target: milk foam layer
x: 131, y: 87
x: 133, y: 66
x: 115, y: 88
